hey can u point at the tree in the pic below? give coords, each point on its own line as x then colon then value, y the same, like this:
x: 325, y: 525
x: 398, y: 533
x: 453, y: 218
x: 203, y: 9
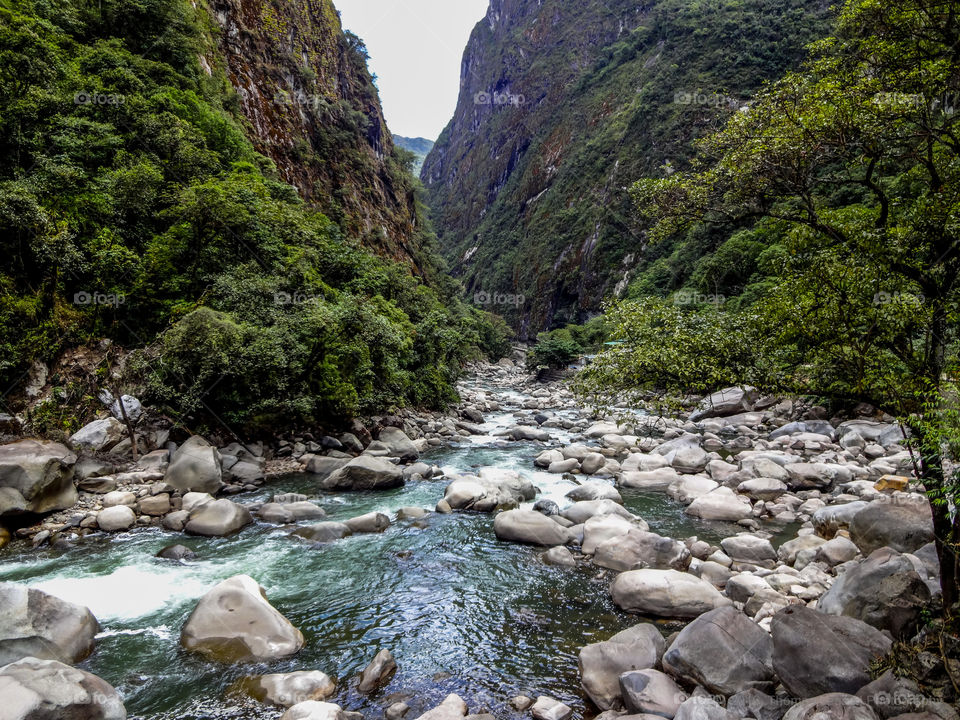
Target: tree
x: 856, y: 157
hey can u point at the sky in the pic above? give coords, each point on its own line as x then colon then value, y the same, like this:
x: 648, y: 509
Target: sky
x: 415, y: 51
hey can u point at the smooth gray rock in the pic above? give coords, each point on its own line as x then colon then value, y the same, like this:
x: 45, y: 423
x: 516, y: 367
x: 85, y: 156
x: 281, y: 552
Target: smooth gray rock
x: 884, y: 591
x: 34, y: 689
x: 904, y: 523
x: 35, y: 624
x: 665, y: 593
x: 324, y: 532
x: 399, y: 444
x: 195, y: 467
x: 364, y: 473
x: 814, y: 653
x: 378, y: 672
x: 288, y: 689
x: 526, y: 526
x: 835, y: 706
x: 601, y: 664
x: 639, y: 549
x: 234, y: 622
x: 724, y: 651
x: 37, y: 477
x: 651, y: 691
x: 99, y: 436
x: 218, y: 519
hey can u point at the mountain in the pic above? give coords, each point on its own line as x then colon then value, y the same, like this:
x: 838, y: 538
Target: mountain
x: 420, y: 147
x: 562, y: 107
x: 205, y: 202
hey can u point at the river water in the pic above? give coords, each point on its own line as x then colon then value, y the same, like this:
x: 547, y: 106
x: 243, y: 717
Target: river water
x: 460, y: 611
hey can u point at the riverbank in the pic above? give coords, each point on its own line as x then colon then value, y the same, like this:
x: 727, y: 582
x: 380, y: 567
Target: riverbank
x: 496, y: 553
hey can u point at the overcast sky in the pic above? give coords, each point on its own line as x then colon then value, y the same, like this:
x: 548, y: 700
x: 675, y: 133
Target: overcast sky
x: 415, y: 51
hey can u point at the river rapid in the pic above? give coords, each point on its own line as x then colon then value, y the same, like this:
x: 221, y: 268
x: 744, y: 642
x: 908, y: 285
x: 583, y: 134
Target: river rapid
x: 461, y: 611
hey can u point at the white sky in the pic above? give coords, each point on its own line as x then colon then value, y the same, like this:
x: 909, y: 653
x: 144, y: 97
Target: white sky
x: 415, y: 51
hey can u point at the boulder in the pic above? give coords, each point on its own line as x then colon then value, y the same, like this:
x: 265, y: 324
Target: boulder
x: 580, y: 512
x: 814, y: 653
x: 526, y: 526
x: 592, y: 463
x: 365, y: 473
x: 452, y: 708
x: 324, y: 532
x: 689, y: 487
x: 288, y: 689
x: 234, y: 622
x: 651, y: 691
x: 884, y: 591
x: 546, y: 708
x: 177, y: 553
x: 116, y: 519
x: 399, y: 444
x: 665, y: 593
x: 378, y: 672
x: 99, y: 436
x: 639, y: 549
x: 901, y: 522
x: 195, y: 467
x: 828, y: 521
x: 720, y: 504
x: 837, y: 551
x: 490, y: 490
x: 372, y: 522
x: 755, y: 704
x: 36, y: 477
x: 601, y: 528
x: 314, y: 710
x: 283, y: 513
x: 595, y: 490
x: 724, y: 651
x: 762, y: 488
x: 729, y: 401
x: 660, y: 479
x: 891, y: 696
x: 835, y: 706
x: 35, y: 624
x: 218, y: 518
x: 35, y: 689
x: 322, y: 465
x: 601, y: 664
x: 815, y: 476
x: 559, y: 555
x: 703, y: 708
x: 749, y: 548
x: 787, y: 553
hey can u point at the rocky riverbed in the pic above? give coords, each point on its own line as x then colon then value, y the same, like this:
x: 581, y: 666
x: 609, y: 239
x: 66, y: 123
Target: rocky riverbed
x: 516, y: 558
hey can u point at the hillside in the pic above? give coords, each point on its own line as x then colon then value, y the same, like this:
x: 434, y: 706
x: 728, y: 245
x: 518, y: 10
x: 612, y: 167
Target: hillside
x: 562, y: 107
x: 212, y: 195
x: 420, y: 147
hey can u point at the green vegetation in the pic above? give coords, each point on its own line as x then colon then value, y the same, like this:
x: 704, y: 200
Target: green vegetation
x: 852, y: 166
x: 540, y: 189
x: 559, y: 348
x: 134, y: 207
x: 419, y: 148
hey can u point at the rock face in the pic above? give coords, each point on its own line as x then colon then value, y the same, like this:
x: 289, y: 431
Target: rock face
x: 35, y: 624
x: 195, y: 467
x: 602, y: 664
x: 218, y: 518
x: 235, y: 623
x: 364, y: 473
x: 724, y: 651
x: 526, y: 526
x: 665, y: 593
x: 36, y: 477
x: 884, y: 591
x: 904, y: 523
x: 33, y: 689
x: 814, y: 654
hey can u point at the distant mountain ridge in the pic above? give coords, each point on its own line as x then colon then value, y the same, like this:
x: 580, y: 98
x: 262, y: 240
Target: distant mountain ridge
x: 562, y: 107
x: 420, y: 147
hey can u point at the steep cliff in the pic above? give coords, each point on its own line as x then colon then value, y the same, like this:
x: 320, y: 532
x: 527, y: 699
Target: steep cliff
x: 562, y: 107
x: 304, y: 87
